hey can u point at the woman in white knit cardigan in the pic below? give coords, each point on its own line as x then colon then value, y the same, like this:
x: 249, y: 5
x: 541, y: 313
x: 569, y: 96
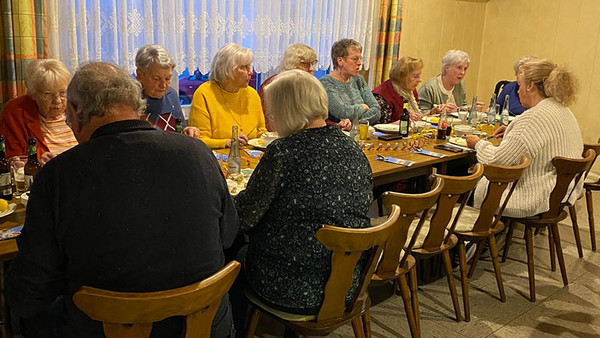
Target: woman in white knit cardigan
x: 545, y: 130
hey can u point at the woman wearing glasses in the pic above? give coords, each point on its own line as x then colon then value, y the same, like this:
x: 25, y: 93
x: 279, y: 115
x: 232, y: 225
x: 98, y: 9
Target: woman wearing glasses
x: 349, y: 95
x: 40, y: 114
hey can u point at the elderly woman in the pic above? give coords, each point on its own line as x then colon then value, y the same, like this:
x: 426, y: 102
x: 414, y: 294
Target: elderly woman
x: 512, y: 89
x: 349, y: 95
x: 154, y: 71
x: 400, y: 88
x: 545, y: 130
x: 295, y: 56
x: 285, y: 201
x: 227, y: 100
x: 40, y: 114
x: 446, y: 90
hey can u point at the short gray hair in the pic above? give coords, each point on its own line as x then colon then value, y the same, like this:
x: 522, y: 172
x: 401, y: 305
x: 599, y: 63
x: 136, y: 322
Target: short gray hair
x: 299, y: 97
x: 98, y: 86
x: 153, y: 54
x: 454, y: 57
x: 521, y: 61
x: 227, y: 59
x: 41, y: 74
x: 340, y: 49
x: 296, y: 54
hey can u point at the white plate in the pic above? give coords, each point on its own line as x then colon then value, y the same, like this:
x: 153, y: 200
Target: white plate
x: 11, y: 208
x: 459, y: 141
x: 436, y: 119
x: 257, y: 143
x: 387, y: 128
x: 482, y: 115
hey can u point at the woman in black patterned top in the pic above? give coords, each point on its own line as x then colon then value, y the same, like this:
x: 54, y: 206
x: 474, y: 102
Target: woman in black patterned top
x: 313, y: 175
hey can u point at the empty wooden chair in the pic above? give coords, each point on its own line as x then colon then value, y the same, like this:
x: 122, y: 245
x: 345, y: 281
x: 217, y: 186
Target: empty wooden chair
x: 347, y: 246
x: 131, y: 314
x: 436, y: 236
x: 568, y: 170
x: 480, y: 225
x: 397, y: 261
x: 588, y: 187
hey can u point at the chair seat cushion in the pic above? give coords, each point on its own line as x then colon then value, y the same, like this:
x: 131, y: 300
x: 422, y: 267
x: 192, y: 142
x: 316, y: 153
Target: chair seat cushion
x: 291, y: 317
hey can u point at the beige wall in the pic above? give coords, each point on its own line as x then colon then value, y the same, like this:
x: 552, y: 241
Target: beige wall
x: 498, y: 32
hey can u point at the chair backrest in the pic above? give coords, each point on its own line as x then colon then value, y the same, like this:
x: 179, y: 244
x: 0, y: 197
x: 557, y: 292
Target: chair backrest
x: 567, y: 170
x: 499, y: 86
x: 347, y: 246
x: 131, y: 314
x: 454, y: 188
x: 500, y: 178
x: 411, y: 205
x: 596, y: 148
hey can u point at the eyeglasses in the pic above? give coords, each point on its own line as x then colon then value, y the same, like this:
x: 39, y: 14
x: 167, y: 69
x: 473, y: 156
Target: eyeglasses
x: 355, y: 59
x: 50, y: 96
x: 307, y: 64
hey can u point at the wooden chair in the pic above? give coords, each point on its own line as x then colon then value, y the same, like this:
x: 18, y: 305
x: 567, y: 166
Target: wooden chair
x: 131, y: 314
x: 347, y: 246
x: 568, y: 170
x: 480, y: 225
x: 589, y: 187
x: 397, y: 261
x: 436, y: 237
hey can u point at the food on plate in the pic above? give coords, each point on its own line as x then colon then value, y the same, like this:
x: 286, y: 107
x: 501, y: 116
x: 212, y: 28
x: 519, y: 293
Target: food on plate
x: 3, y: 205
x: 458, y: 141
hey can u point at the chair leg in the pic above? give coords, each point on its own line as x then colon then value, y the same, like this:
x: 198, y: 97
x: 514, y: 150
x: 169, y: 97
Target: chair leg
x: 462, y: 256
x: 590, y: 208
x: 415, y: 298
x: 366, y: 318
x: 573, y: 215
x: 480, y: 246
x: 530, y: 266
x: 552, y: 251
x: 494, y: 254
x: 358, y: 328
x: 252, y: 322
x: 508, y: 240
x: 559, y: 253
x: 451, y: 285
x: 405, y: 293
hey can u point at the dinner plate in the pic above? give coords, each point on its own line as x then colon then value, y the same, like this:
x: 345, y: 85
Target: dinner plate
x: 436, y: 119
x: 236, y: 185
x: 387, y: 128
x: 459, y: 141
x: 11, y: 208
x: 257, y: 143
x: 481, y: 115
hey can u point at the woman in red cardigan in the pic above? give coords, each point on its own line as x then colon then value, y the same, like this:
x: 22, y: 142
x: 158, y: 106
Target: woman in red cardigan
x: 401, y: 87
x: 40, y: 114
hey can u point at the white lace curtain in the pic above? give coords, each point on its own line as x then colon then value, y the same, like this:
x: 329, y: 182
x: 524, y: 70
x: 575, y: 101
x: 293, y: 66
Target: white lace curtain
x: 193, y: 30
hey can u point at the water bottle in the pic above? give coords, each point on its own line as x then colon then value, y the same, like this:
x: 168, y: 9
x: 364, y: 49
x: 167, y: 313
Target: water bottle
x: 473, y: 119
x: 504, y: 117
x: 491, y: 115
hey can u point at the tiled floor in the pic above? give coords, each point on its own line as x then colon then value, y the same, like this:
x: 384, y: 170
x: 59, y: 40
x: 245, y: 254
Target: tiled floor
x: 571, y: 311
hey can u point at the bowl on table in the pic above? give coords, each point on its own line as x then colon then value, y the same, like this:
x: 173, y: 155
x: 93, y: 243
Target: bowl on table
x: 418, y: 126
x: 462, y: 129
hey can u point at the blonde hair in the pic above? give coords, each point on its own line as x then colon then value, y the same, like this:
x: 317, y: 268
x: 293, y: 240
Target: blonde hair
x: 42, y: 74
x: 227, y: 59
x: 521, y: 61
x: 403, y: 67
x: 454, y: 57
x: 299, y: 97
x: 294, y: 55
x: 551, y: 80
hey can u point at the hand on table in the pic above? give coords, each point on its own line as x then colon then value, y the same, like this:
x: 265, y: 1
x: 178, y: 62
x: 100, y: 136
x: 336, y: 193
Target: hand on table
x: 471, y: 140
x: 450, y: 107
x: 47, y: 156
x: 192, y: 131
x: 345, y: 124
x: 499, y: 133
x: 241, y: 137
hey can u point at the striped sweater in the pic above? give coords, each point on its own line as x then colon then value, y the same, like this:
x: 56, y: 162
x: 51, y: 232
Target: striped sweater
x: 543, y: 132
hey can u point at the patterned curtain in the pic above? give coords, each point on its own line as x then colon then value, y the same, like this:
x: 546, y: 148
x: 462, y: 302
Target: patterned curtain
x: 23, y: 33
x: 388, y: 38
x: 193, y: 30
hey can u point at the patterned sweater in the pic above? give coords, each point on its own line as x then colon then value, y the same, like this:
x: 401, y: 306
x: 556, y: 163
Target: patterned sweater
x: 317, y: 176
x: 543, y: 132
x: 346, y: 98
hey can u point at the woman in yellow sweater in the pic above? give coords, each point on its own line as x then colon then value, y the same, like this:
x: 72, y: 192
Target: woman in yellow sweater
x: 227, y: 100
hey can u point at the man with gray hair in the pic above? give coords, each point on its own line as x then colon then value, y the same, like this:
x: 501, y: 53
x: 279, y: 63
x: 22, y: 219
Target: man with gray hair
x: 154, y: 69
x: 129, y: 209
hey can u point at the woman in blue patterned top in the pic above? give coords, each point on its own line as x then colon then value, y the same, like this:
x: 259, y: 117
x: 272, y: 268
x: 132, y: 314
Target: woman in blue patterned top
x: 313, y: 175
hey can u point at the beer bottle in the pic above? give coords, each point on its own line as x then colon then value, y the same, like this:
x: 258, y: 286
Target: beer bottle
x: 404, y: 121
x: 33, y: 165
x: 5, y: 181
x: 234, y: 160
x: 178, y: 126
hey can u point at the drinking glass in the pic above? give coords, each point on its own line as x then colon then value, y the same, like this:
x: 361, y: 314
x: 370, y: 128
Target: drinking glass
x: 462, y: 115
x: 17, y: 171
x: 363, y: 129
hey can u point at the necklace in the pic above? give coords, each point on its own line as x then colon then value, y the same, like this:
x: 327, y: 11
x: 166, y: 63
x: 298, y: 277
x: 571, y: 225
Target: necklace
x: 231, y: 110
